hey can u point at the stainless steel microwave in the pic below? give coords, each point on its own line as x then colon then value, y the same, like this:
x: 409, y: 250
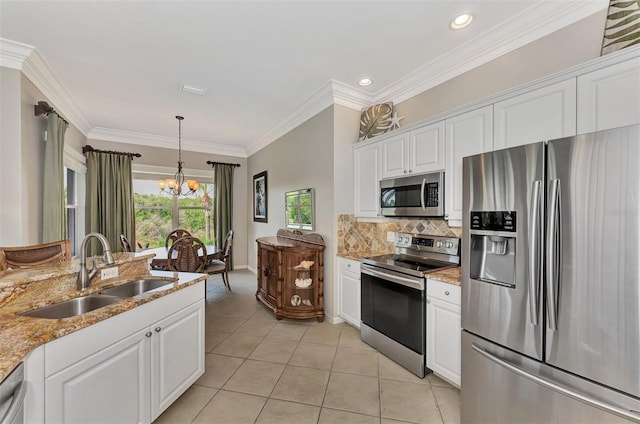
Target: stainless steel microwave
x: 418, y: 195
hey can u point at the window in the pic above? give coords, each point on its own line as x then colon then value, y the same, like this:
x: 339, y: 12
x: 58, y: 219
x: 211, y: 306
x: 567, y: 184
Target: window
x: 299, y: 209
x: 71, y: 208
x: 156, y: 214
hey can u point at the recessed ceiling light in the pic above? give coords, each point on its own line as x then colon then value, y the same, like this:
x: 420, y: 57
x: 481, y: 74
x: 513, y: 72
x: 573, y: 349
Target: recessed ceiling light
x: 461, y: 21
x: 187, y: 88
x: 365, y: 82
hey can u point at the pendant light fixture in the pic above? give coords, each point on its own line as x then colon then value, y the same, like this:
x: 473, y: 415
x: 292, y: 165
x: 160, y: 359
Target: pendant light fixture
x: 174, y: 185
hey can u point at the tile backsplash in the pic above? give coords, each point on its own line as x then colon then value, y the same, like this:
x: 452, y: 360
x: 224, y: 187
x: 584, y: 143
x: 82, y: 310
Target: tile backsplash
x: 355, y: 237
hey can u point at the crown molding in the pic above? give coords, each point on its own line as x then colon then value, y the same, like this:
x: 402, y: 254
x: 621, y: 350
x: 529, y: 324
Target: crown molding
x: 333, y: 92
x: 37, y: 70
x: 533, y: 23
x: 13, y: 54
x: 130, y: 137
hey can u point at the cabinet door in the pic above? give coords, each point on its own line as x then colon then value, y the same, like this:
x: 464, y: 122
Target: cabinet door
x: 538, y: 115
x: 367, y: 176
x: 610, y: 97
x: 467, y: 134
x: 177, y: 359
x: 426, y: 149
x: 269, y: 274
x: 443, y: 339
x: 349, y: 291
x: 110, y: 386
x: 394, y: 156
x: 300, y: 281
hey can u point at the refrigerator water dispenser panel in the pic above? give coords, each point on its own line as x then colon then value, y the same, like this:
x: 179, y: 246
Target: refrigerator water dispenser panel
x: 493, y: 247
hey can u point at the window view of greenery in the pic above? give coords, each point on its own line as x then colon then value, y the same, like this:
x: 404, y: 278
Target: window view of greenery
x: 158, y: 214
x: 299, y: 205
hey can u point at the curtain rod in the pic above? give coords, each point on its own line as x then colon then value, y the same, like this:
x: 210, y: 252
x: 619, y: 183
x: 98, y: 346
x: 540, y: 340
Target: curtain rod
x: 222, y: 163
x: 88, y: 148
x: 43, y: 108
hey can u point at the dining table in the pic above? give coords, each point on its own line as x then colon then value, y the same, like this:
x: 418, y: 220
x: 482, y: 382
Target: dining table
x: 161, y: 260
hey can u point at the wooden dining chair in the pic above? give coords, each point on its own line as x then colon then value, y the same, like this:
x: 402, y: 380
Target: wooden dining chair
x: 187, y: 254
x: 175, y: 235
x: 38, y: 254
x: 222, y: 266
x: 126, y: 246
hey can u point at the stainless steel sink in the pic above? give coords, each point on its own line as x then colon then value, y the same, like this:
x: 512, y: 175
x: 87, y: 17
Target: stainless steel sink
x: 73, y: 307
x: 137, y: 287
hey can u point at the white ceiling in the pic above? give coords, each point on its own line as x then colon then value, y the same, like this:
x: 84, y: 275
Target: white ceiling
x: 267, y: 65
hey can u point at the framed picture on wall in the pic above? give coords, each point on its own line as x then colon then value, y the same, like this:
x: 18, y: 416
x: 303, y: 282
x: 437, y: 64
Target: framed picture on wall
x: 260, y: 197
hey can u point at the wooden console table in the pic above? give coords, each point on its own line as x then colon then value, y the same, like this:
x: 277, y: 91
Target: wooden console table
x: 290, y: 274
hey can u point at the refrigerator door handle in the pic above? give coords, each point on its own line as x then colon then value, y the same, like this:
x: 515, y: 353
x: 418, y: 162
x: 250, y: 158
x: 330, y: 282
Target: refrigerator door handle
x: 534, y: 252
x: 554, y: 253
x: 582, y: 397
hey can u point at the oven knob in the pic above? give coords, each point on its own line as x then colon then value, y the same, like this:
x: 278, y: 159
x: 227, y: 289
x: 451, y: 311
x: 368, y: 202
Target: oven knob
x: 448, y: 245
x: 439, y: 244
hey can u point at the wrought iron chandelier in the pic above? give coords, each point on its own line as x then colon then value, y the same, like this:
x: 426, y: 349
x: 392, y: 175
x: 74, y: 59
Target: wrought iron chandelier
x: 174, y: 185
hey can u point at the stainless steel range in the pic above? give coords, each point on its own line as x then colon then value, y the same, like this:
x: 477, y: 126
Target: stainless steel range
x: 393, y: 296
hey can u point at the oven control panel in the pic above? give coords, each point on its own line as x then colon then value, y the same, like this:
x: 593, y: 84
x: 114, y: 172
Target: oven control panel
x: 422, y: 242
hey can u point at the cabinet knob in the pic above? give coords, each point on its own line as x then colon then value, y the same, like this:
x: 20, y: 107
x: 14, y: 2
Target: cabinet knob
x: 410, y: 171
x: 405, y: 171
x: 266, y: 272
x: 148, y: 334
x: 428, y: 301
x: 348, y: 265
x: 157, y: 329
x: 446, y: 293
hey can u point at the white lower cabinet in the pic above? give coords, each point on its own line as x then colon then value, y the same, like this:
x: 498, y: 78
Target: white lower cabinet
x: 444, y: 330
x: 349, y: 291
x: 109, y: 386
x: 128, y: 368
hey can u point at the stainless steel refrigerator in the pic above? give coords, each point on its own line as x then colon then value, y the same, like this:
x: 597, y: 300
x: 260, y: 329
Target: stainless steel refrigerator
x: 551, y: 281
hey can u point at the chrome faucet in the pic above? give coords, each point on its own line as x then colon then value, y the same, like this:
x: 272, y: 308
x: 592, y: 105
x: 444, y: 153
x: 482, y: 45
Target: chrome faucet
x: 86, y: 275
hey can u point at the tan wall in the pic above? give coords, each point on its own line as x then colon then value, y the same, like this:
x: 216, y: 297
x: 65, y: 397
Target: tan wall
x: 560, y: 50
x: 302, y: 158
x: 12, y: 221
x: 157, y: 156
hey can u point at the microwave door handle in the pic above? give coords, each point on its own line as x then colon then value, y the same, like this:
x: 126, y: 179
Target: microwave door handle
x: 534, y: 252
x: 424, y: 184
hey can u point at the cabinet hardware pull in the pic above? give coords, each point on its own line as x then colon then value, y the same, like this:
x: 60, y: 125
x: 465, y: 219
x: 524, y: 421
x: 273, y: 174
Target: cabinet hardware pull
x: 266, y: 272
x: 446, y: 293
x: 428, y: 300
x: 157, y: 329
x: 148, y: 334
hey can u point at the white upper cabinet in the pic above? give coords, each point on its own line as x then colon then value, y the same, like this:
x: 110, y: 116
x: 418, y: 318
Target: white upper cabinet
x: 419, y: 151
x: 367, y: 176
x: 467, y: 134
x: 394, y: 156
x: 538, y: 115
x: 426, y: 149
x: 609, y: 97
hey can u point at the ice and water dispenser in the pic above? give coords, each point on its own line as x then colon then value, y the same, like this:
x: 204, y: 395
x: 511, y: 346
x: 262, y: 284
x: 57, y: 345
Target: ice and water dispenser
x: 493, y: 247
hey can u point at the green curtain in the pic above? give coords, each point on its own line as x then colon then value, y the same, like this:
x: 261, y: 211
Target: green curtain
x: 223, y: 204
x: 110, y: 208
x: 53, y: 211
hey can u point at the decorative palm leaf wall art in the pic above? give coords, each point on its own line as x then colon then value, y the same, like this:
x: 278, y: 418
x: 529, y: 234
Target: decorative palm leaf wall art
x: 622, y: 28
x: 376, y: 120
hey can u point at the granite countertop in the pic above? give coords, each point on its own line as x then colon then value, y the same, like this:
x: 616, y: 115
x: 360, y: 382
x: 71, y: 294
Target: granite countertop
x: 447, y: 275
x: 20, y: 334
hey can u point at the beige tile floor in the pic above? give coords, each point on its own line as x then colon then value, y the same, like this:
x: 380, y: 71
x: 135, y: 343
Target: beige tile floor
x: 261, y: 370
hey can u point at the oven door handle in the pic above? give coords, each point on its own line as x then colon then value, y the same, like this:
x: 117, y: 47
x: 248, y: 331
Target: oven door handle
x: 407, y: 282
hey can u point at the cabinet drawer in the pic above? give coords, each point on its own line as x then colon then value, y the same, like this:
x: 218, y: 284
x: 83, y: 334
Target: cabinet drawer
x: 444, y: 291
x: 349, y: 265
